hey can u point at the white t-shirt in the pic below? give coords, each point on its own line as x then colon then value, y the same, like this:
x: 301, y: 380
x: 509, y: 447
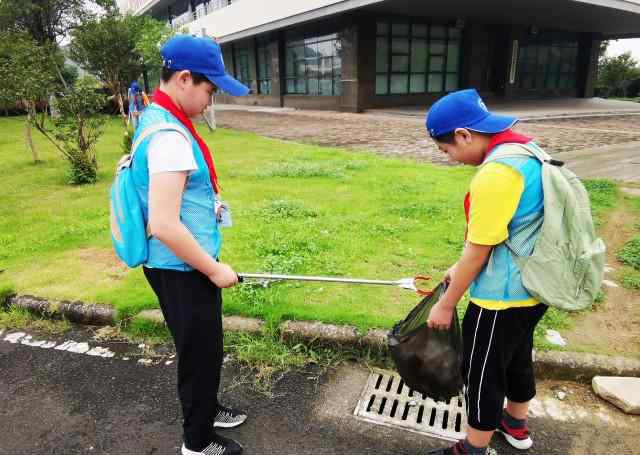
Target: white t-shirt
x: 170, y: 151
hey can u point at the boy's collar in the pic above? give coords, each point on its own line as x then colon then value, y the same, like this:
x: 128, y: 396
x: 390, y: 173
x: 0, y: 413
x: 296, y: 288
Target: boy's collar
x: 506, y: 136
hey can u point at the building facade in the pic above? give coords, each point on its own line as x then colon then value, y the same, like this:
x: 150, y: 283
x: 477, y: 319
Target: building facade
x: 357, y: 54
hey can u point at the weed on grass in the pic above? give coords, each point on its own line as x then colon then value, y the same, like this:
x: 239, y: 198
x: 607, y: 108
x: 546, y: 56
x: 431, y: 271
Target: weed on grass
x: 267, y: 358
x: 328, y: 169
x: 303, y: 170
x: 630, y: 253
x: 630, y: 279
x: 19, y: 318
x: 283, y: 209
x: 603, y: 195
x: 149, y: 331
x: 284, y: 254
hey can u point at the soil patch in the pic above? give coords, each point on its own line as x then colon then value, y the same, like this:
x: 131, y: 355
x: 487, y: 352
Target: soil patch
x: 613, y: 327
x: 103, y: 259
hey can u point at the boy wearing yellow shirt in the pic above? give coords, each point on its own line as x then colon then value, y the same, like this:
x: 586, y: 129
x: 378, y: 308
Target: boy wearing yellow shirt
x: 505, y: 202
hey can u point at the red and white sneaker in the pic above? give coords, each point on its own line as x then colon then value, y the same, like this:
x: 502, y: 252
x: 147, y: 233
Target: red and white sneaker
x: 517, y: 437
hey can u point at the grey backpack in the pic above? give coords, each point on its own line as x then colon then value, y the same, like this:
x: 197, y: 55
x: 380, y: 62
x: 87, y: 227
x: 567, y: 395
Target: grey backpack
x: 567, y: 265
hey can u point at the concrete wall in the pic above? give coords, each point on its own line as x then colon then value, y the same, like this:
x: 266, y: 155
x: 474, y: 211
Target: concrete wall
x: 246, y: 14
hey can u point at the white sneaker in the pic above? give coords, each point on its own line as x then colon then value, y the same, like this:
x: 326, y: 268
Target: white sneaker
x: 229, y: 417
x: 221, y: 446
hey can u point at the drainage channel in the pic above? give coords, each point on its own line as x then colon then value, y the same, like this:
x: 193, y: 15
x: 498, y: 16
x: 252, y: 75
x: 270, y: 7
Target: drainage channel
x: 386, y: 400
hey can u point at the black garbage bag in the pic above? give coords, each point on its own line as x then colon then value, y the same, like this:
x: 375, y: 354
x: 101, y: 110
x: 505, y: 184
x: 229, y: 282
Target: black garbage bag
x: 428, y: 360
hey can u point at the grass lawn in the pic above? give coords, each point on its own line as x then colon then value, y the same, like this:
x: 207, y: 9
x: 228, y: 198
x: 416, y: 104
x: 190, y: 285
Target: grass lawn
x: 296, y: 209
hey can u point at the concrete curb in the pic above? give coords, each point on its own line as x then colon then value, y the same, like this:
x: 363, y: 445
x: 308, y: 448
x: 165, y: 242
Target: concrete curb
x: 563, y: 365
x: 78, y: 312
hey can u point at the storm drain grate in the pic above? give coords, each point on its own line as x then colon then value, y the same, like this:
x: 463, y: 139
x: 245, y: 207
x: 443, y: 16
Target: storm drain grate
x: 386, y: 400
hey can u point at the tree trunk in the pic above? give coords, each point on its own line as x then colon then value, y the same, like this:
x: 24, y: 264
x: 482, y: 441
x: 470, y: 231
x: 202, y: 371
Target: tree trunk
x: 29, y: 139
x: 121, y: 108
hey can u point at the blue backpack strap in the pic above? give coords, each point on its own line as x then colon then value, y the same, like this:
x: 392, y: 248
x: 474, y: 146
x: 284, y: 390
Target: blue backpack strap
x: 126, y: 160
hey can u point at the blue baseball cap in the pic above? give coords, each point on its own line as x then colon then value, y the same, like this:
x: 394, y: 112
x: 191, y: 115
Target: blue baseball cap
x: 200, y: 55
x: 465, y: 109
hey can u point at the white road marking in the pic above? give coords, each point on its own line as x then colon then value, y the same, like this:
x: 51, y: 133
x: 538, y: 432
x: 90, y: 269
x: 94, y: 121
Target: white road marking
x: 14, y: 337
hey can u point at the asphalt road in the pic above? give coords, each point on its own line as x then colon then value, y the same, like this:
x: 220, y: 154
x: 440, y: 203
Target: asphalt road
x: 64, y: 403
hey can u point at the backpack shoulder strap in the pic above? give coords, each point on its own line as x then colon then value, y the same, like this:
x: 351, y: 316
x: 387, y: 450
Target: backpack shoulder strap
x: 529, y: 149
x: 126, y: 160
x: 154, y: 129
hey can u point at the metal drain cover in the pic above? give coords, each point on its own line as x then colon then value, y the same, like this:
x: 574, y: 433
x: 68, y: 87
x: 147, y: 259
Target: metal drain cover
x: 386, y: 400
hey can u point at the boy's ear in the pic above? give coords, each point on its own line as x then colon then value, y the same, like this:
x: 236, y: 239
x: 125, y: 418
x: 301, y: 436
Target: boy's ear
x: 463, y: 134
x: 182, y: 77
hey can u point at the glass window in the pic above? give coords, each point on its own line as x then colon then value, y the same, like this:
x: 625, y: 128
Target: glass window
x: 400, y: 45
x: 451, y: 83
x: 417, y: 83
x: 263, y: 52
x: 399, y: 83
x: 453, y: 56
x: 435, y: 83
x: 548, y: 60
x: 455, y: 33
x: 400, y: 29
x: 436, y: 64
x: 243, y: 72
x: 437, y: 47
x: 416, y: 58
x: 400, y: 63
x: 382, y: 55
x: 382, y: 82
x: 419, y: 30
x: 313, y: 65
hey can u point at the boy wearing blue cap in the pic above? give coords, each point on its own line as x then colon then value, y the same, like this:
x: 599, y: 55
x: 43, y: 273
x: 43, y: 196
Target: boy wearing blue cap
x: 178, y: 186
x: 136, y: 103
x: 504, y: 202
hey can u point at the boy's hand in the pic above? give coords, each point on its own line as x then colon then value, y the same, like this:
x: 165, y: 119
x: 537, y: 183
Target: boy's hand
x: 224, y: 276
x: 440, y: 316
x: 448, y: 275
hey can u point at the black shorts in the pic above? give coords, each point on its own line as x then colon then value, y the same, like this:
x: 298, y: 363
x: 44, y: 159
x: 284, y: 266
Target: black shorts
x: 497, y: 360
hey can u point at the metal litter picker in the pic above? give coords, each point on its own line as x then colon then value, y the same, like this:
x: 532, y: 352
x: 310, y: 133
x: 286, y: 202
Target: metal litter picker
x: 404, y: 283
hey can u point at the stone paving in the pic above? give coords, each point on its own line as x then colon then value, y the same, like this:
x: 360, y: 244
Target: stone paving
x: 405, y: 136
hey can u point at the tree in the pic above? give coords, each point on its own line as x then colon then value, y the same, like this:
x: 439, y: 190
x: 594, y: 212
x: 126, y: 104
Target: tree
x: 106, y: 47
x: 48, y: 21
x: 152, y: 35
x: 78, y: 127
x: 615, y: 74
x: 28, y: 78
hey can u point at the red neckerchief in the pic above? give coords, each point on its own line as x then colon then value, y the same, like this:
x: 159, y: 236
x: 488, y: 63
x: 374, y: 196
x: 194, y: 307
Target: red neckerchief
x: 163, y: 100
x: 507, y: 136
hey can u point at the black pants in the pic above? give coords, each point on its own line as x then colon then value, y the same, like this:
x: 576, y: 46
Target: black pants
x: 192, y: 308
x: 497, y: 360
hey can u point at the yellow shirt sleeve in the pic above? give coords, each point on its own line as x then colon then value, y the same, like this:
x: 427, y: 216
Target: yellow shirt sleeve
x: 495, y: 193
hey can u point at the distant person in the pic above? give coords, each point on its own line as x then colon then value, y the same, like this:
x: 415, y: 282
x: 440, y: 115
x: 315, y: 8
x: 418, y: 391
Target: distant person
x: 178, y: 186
x: 137, y: 102
x: 505, y: 202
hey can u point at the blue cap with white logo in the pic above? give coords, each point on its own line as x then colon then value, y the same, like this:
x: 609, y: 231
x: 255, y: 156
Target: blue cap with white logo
x: 200, y: 55
x: 465, y: 109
